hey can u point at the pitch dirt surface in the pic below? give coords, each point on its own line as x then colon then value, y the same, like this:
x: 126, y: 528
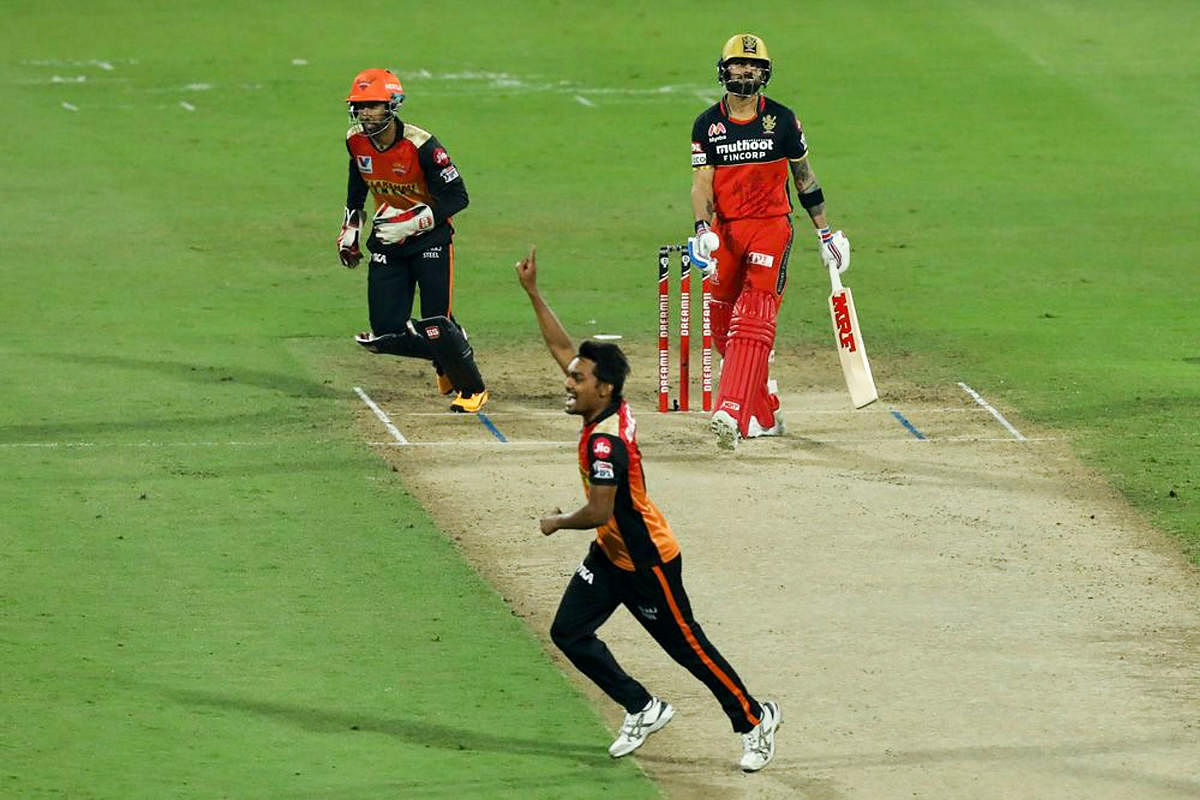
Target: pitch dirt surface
x: 965, y: 616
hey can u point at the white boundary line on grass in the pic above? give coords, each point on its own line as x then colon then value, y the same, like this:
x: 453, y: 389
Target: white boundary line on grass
x: 387, y: 423
x: 999, y: 417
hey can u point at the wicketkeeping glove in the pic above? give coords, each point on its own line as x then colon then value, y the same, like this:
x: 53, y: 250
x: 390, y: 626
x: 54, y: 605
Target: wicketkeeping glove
x: 347, y: 240
x: 706, y: 241
x: 393, y: 225
x: 708, y: 266
x: 835, y: 249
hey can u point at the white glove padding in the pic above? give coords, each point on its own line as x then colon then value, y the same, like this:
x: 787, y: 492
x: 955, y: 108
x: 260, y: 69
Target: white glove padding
x: 706, y: 243
x: 706, y: 265
x: 835, y: 249
x: 393, y: 225
x: 347, y: 240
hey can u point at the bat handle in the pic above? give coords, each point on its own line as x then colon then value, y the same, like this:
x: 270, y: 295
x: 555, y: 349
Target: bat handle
x: 835, y: 279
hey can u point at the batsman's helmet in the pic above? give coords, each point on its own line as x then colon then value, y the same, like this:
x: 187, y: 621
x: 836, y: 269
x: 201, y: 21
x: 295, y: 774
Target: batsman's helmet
x: 375, y: 86
x: 744, y: 47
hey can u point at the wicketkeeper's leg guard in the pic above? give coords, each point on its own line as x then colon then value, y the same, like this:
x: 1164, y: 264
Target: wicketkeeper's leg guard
x: 719, y: 314
x: 408, y: 343
x: 742, y: 392
x: 449, y: 348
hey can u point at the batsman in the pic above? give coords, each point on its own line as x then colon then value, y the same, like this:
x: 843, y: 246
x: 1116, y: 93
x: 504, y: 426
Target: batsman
x: 743, y: 150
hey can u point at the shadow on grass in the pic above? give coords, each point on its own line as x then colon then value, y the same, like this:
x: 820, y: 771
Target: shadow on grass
x: 89, y: 430
x: 290, y: 385
x: 413, y: 731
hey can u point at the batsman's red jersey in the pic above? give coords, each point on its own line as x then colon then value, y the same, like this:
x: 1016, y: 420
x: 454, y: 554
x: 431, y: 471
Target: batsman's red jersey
x: 750, y: 158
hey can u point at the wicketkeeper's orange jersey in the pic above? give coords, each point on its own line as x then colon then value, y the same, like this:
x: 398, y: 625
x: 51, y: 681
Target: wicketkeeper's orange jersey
x: 395, y: 175
x: 414, y: 170
x: 637, y: 535
x: 750, y: 158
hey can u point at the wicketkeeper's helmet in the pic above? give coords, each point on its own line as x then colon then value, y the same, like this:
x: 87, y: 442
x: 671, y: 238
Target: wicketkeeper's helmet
x: 375, y: 86
x: 744, y: 46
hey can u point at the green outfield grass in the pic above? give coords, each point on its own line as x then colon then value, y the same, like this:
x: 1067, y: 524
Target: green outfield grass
x: 183, y: 616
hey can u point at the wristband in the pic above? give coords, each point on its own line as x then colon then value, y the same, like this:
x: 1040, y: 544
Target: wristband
x: 812, y: 199
x: 701, y: 226
x: 825, y: 235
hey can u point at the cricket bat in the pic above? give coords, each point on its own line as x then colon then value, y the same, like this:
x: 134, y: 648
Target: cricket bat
x: 851, y: 349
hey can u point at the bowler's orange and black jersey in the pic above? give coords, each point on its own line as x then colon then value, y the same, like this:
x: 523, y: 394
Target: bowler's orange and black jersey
x: 637, y: 536
x: 750, y: 158
x: 415, y: 169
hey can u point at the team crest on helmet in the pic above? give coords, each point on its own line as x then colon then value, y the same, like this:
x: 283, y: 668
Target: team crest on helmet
x: 750, y: 44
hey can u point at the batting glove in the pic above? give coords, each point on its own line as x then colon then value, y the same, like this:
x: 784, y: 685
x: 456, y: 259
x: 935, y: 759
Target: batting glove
x: 835, y: 249
x: 347, y: 240
x: 706, y: 241
x: 393, y: 225
x: 708, y: 266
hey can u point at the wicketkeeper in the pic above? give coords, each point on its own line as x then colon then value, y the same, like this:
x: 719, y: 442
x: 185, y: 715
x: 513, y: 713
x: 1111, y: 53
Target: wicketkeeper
x: 634, y: 560
x: 417, y: 190
x: 743, y: 149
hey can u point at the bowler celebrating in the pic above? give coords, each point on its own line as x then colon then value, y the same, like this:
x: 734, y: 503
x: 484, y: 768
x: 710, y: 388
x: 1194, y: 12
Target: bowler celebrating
x: 634, y: 560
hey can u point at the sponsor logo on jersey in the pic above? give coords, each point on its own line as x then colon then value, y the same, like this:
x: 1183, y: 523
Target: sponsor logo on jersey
x: 699, y: 159
x: 399, y: 169
x: 768, y: 123
x: 697, y: 147
x: 433, y: 332
x: 761, y: 259
x: 433, y: 252
x: 602, y: 470
x: 602, y: 448
x: 441, y: 157
x: 716, y: 129
x: 584, y: 572
x: 649, y: 612
x: 378, y: 258
x: 390, y: 187
x: 841, y: 318
x: 745, y: 146
x: 449, y: 174
x: 364, y: 164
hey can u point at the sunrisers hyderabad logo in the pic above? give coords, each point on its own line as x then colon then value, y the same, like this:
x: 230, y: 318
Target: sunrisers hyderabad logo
x: 398, y: 189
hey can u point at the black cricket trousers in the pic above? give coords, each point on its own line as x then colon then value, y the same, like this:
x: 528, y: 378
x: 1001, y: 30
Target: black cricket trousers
x: 657, y: 599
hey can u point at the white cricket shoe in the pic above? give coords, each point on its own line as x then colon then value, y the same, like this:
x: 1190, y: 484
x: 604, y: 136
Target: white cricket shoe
x: 755, y: 429
x: 725, y: 428
x: 759, y: 744
x: 637, y: 727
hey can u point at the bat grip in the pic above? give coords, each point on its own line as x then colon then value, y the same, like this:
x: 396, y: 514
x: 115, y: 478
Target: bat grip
x: 835, y: 279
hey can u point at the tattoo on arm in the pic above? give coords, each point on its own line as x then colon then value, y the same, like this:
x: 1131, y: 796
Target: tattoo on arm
x: 806, y: 181
x: 802, y: 174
